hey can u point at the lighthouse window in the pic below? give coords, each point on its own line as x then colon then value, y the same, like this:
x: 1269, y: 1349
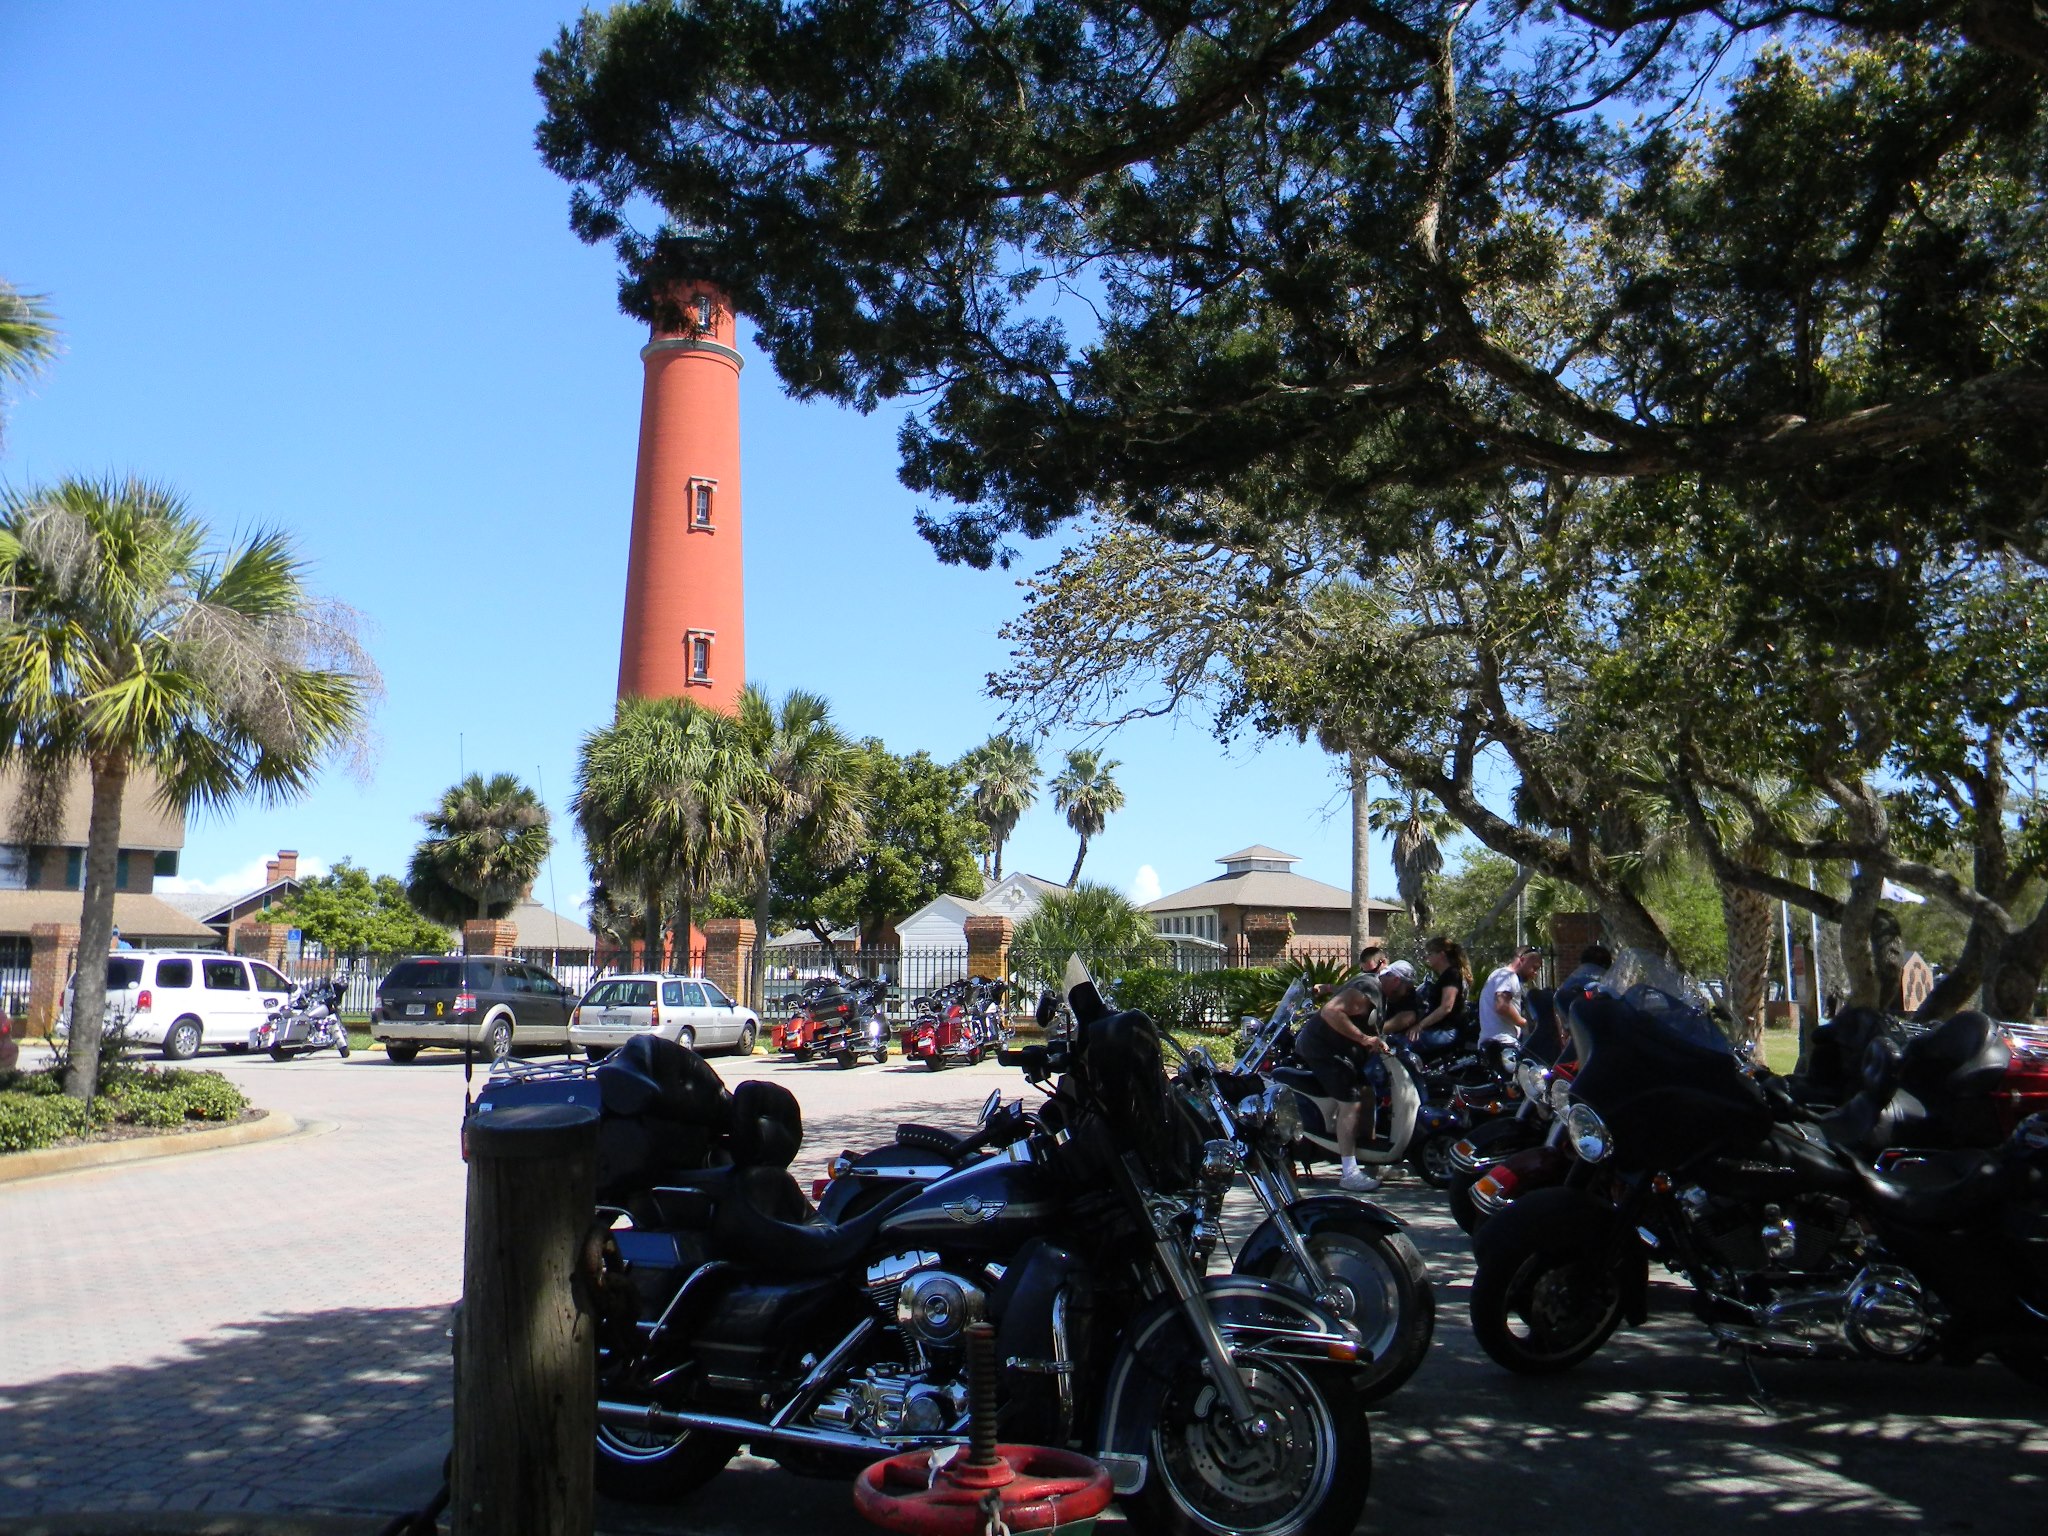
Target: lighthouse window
x: 703, y: 311
x: 700, y: 657
x: 700, y: 505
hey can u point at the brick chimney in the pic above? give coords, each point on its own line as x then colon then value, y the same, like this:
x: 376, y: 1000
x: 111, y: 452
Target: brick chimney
x: 284, y: 867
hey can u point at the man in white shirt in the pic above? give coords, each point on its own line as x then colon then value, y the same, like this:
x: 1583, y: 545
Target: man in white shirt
x: 1500, y: 1000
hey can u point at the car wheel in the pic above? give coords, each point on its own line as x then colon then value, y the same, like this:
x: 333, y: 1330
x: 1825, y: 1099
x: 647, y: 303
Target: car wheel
x: 181, y: 1040
x: 750, y: 1035
x: 686, y: 1037
x: 498, y: 1039
x: 399, y: 1051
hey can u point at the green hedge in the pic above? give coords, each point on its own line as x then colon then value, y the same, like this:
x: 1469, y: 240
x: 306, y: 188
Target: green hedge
x: 34, y: 1111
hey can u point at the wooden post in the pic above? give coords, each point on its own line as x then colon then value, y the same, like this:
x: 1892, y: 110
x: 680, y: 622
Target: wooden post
x: 525, y: 1342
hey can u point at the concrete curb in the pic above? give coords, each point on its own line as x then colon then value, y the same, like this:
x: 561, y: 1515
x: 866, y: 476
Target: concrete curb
x: 268, y: 1125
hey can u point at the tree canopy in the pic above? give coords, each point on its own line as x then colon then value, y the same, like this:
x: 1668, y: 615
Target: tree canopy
x: 1300, y: 252
x: 485, y: 844
x: 349, y: 911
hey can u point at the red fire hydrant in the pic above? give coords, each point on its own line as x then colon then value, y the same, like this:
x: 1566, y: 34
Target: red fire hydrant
x: 991, y: 1490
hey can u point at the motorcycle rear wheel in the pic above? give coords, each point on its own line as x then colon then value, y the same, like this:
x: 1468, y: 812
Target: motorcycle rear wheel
x: 1308, y: 1477
x: 847, y: 1059
x: 1541, y: 1313
x: 647, y: 1468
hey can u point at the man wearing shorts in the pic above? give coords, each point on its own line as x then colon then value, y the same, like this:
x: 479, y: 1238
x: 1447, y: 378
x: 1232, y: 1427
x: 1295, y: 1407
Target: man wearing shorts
x: 1328, y: 1045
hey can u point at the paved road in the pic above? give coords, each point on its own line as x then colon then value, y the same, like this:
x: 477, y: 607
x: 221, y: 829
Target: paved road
x: 264, y: 1328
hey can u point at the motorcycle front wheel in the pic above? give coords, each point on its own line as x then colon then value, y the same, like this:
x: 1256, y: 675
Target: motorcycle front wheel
x: 1543, y: 1312
x: 1386, y: 1296
x: 1307, y: 1476
x: 1431, y: 1159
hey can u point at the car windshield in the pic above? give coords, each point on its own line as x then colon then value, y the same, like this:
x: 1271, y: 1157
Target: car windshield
x: 426, y: 973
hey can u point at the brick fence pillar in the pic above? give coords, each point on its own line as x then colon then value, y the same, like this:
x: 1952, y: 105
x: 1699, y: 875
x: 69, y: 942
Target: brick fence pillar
x: 259, y: 941
x: 988, y: 947
x: 1266, y: 935
x: 729, y: 954
x: 53, y: 950
x: 1571, y: 932
x: 489, y: 936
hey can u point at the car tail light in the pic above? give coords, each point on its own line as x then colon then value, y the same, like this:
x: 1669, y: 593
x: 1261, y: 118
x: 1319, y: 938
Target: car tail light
x: 142, y: 1001
x: 575, y: 1017
x: 654, y: 1014
x: 465, y: 1002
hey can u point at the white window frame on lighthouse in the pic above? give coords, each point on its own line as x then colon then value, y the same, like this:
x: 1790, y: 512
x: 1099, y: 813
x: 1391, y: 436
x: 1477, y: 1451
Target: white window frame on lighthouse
x: 702, y: 493
x: 693, y: 638
x: 705, y: 313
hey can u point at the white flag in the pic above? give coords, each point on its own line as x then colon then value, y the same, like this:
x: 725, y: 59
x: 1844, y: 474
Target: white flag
x: 1891, y: 892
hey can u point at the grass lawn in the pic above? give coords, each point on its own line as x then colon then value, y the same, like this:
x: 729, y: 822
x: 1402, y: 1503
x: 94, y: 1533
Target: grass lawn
x: 1781, y: 1050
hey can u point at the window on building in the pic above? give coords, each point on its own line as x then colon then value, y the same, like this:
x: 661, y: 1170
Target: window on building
x: 167, y: 864
x: 697, y: 653
x: 74, y: 869
x: 700, y: 503
x: 703, y: 311
x: 13, y: 867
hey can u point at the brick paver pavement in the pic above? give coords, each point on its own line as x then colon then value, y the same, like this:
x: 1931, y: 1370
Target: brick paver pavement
x: 250, y: 1328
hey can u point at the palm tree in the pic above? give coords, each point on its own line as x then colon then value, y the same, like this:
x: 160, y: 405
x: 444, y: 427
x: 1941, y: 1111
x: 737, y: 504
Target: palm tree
x: 28, y: 334
x: 811, y: 779
x: 1419, y: 826
x: 128, y: 649
x: 1097, y: 922
x: 669, y: 800
x: 485, y: 843
x: 1004, y: 773
x: 1088, y: 796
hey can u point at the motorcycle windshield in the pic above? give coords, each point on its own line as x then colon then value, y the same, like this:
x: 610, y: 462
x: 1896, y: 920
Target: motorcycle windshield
x: 1656, y: 1067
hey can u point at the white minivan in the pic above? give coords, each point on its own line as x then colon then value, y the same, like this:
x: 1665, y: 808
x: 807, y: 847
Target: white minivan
x: 182, y: 999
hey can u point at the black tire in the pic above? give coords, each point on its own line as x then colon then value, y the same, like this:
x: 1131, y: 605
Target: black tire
x: 1467, y: 1215
x: 399, y: 1051
x: 935, y: 1063
x: 1205, y: 1478
x: 497, y: 1041
x: 1540, y: 1312
x: 750, y: 1036
x: 341, y: 1047
x: 881, y: 1055
x: 183, y: 1039
x: 280, y: 1053
x: 595, y: 1053
x: 1431, y: 1159
x: 686, y: 1037
x: 648, y: 1469
x: 801, y: 1054
x: 237, y: 1047
x: 1387, y: 1294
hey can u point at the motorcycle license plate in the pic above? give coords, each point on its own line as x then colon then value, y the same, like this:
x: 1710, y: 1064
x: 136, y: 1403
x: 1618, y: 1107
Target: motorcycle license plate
x: 414, y: 1010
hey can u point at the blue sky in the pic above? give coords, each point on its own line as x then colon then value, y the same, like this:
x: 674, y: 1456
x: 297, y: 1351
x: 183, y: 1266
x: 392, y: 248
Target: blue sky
x: 311, y: 273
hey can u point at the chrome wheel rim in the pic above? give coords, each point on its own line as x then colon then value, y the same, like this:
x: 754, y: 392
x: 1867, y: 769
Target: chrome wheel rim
x: 1231, y: 1484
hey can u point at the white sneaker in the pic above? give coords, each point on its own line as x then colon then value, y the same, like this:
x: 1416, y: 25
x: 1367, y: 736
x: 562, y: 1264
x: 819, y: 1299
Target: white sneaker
x: 1360, y: 1183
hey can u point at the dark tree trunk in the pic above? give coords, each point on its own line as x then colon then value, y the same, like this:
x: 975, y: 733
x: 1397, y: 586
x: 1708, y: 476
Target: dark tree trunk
x: 1078, y: 857
x: 758, y: 987
x: 998, y: 868
x: 685, y: 906
x: 96, y: 927
x: 651, y: 926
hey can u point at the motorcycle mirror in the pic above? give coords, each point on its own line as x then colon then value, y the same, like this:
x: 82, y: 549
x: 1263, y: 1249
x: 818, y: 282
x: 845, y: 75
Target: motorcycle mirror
x: 1048, y: 1007
x: 1082, y: 994
x: 990, y: 1105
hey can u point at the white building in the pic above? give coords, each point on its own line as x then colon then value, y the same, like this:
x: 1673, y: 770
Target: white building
x: 940, y: 926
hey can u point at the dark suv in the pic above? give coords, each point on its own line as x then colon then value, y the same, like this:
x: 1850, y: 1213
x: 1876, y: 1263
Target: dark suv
x: 498, y: 1005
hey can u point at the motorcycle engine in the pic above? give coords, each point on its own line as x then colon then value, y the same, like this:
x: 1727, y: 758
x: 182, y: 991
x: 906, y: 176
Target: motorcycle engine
x: 883, y: 1404
x: 1803, y: 1236
x: 934, y: 1307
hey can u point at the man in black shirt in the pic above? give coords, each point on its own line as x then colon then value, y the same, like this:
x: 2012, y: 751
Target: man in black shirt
x: 1329, y: 1044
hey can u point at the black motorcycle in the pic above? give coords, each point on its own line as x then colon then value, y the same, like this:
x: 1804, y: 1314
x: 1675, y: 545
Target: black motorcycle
x: 730, y: 1314
x: 1793, y: 1243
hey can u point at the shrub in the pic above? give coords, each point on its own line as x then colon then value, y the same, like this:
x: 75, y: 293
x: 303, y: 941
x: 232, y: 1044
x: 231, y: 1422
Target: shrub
x: 34, y: 1111
x: 31, y: 1119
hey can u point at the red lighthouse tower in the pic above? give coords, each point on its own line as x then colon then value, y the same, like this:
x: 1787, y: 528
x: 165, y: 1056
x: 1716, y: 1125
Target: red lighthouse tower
x: 685, y: 610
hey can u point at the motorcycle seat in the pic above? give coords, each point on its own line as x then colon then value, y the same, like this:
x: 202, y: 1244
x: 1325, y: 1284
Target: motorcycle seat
x: 1963, y: 1057
x: 1947, y: 1190
x: 1298, y: 1078
x: 929, y: 1138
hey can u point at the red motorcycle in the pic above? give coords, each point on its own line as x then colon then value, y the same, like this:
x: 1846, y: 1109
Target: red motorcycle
x: 842, y: 1018
x: 959, y: 1025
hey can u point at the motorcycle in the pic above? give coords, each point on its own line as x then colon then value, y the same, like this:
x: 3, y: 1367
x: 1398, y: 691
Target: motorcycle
x: 1403, y: 1122
x: 310, y: 1020
x: 1793, y: 1242
x: 728, y: 1313
x: 1348, y: 1254
x: 960, y: 1024
x: 843, y: 1018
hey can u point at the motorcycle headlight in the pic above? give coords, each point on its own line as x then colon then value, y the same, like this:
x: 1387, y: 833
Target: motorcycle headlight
x: 1560, y: 1095
x: 1529, y: 1078
x: 1283, y: 1114
x: 1588, y: 1133
x: 1250, y: 1107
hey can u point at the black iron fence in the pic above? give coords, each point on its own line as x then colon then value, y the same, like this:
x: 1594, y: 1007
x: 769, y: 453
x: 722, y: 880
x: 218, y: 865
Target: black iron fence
x: 913, y: 975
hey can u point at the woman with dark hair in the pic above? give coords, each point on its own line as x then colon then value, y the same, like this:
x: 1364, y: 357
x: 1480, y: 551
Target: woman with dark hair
x: 1443, y: 996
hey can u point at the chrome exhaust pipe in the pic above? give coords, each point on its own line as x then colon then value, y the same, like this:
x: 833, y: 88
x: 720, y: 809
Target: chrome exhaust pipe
x: 664, y: 1421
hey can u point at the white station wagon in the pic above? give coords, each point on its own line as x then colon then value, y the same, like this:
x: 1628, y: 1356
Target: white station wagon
x: 687, y: 1009
x: 182, y: 999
